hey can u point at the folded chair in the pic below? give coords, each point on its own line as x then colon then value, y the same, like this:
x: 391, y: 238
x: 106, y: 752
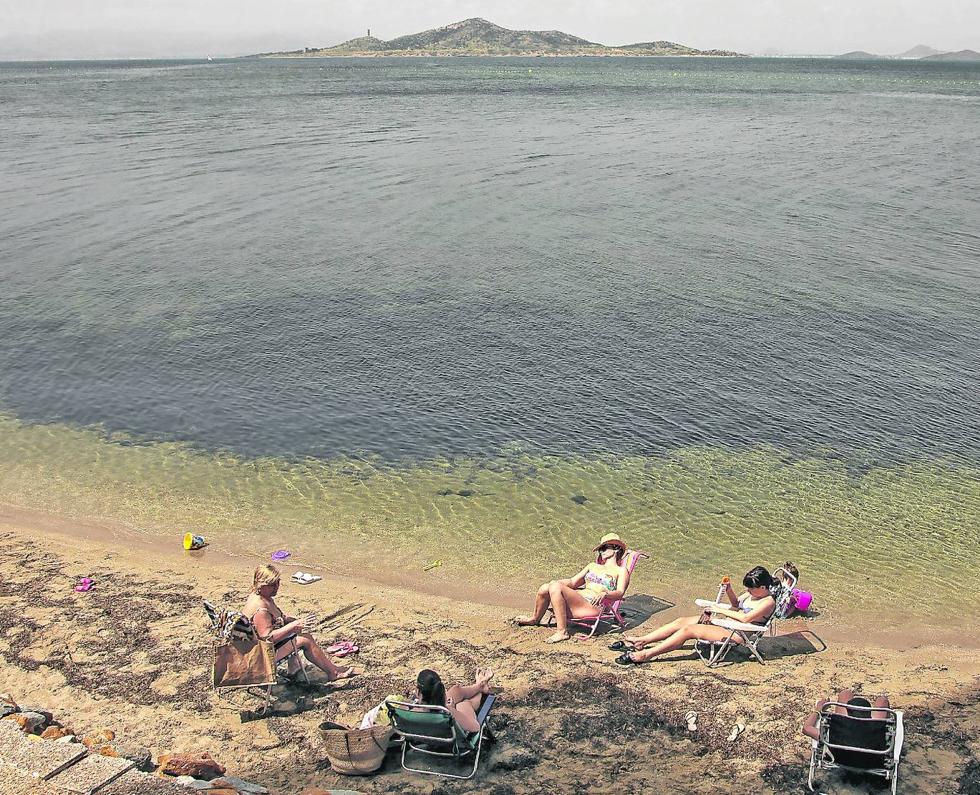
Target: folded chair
x: 610, y: 612
x: 432, y: 730
x: 714, y: 653
x: 860, y: 744
x: 229, y: 625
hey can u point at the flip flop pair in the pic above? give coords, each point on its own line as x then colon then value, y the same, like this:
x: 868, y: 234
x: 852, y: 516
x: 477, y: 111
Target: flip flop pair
x: 343, y: 649
x: 621, y: 645
x: 305, y: 578
x: 85, y: 584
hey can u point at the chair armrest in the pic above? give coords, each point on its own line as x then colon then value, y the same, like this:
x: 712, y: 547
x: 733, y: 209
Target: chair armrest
x: 711, y: 603
x: 485, y: 708
x: 899, y: 733
x: 730, y: 623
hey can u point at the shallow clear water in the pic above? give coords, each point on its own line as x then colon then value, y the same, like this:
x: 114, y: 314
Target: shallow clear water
x: 735, y: 304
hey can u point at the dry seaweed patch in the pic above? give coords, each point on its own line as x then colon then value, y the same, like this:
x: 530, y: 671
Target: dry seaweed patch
x: 101, y: 641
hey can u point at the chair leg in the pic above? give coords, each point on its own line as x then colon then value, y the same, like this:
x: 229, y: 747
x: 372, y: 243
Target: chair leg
x: 813, y: 768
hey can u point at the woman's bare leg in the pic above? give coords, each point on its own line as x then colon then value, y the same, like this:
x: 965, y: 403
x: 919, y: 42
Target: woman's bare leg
x: 312, y: 651
x: 680, y: 637
x: 568, y: 603
x: 541, y: 602
x: 661, y: 632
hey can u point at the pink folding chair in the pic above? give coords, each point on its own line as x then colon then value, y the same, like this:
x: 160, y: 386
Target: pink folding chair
x: 610, y: 612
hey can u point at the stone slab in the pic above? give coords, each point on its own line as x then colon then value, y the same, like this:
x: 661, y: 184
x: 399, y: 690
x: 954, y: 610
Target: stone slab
x: 34, y: 756
x: 91, y: 774
x: 133, y: 782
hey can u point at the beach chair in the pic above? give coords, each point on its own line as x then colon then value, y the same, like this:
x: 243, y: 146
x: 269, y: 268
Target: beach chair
x: 610, y: 612
x: 432, y: 730
x: 858, y: 744
x: 228, y: 625
x: 714, y: 653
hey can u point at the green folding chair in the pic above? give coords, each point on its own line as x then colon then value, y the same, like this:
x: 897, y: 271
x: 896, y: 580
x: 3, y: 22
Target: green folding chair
x: 428, y: 729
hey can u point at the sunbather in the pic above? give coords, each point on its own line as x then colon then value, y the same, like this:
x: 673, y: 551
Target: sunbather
x: 581, y: 596
x: 463, y: 701
x: 752, y: 607
x: 287, y: 634
x: 811, y: 724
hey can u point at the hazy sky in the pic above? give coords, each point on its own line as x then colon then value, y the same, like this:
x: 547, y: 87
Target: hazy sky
x: 154, y: 28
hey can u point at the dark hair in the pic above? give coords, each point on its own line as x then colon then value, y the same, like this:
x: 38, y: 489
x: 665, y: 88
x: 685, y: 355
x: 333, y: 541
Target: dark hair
x: 431, y: 688
x: 759, y: 577
x: 859, y: 701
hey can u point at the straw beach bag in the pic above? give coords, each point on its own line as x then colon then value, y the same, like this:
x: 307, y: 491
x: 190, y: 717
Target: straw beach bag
x: 355, y: 752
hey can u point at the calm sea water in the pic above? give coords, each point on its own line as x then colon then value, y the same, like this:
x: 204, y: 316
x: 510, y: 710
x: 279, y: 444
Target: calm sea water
x: 502, y: 267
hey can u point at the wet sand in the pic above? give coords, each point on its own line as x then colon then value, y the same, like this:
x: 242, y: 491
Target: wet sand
x: 133, y: 655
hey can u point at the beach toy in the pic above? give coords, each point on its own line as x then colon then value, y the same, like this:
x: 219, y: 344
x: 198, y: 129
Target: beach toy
x: 802, y: 600
x: 85, y: 584
x: 192, y: 541
x: 281, y: 554
x: 434, y: 565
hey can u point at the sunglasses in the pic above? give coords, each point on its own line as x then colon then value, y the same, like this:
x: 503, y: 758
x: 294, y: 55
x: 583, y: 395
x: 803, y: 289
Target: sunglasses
x: 607, y: 547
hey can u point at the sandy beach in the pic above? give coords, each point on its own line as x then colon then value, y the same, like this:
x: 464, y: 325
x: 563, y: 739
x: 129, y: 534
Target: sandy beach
x: 133, y: 655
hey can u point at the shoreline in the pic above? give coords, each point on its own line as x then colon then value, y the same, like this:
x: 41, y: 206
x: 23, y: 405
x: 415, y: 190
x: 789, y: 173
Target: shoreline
x: 78, y: 654
x: 509, y: 595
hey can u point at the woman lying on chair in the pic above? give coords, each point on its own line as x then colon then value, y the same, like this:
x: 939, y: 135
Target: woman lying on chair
x: 752, y: 607
x: 581, y: 596
x: 287, y: 634
x: 462, y: 701
x: 881, y: 703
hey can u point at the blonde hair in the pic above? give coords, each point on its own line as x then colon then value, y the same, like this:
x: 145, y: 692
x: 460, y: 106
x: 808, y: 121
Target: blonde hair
x: 265, y: 575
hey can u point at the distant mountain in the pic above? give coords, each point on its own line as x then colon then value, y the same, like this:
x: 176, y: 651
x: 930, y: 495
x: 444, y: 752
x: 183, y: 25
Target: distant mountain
x: 919, y: 51
x: 859, y: 55
x: 962, y: 55
x: 480, y: 37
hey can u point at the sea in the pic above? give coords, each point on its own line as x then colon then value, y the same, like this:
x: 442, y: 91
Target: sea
x: 459, y: 317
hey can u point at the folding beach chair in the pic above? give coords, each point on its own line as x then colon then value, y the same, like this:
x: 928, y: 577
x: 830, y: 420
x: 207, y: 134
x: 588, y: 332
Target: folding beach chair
x: 432, y: 730
x: 714, y: 653
x: 230, y: 626
x: 610, y: 612
x: 859, y: 744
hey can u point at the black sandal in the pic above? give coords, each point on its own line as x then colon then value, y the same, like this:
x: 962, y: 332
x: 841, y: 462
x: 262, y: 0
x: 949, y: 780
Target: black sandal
x: 627, y: 661
x: 621, y: 645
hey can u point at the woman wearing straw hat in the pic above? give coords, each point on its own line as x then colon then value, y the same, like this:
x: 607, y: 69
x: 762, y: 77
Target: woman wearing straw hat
x: 581, y: 596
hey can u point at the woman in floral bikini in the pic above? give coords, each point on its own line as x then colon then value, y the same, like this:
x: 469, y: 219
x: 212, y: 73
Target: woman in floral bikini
x: 581, y: 596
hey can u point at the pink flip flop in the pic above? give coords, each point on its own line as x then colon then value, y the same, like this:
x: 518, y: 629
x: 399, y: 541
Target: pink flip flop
x: 85, y: 584
x: 342, y: 648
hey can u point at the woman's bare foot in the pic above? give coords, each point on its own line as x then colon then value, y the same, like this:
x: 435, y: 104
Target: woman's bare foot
x: 483, y: 678
x: 343, y: 673
x: 525, y: 621
x: 558, y: 637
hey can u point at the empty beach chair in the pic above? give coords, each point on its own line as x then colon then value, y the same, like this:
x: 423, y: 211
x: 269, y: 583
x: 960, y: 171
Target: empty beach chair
x: 610, y: 612
x: 229, y: 626
x: 714, y: 653
x: 858, y: 742
x: 429, y: 729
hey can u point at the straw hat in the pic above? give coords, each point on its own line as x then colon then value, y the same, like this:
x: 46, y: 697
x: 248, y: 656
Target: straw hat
x: 610, y: 540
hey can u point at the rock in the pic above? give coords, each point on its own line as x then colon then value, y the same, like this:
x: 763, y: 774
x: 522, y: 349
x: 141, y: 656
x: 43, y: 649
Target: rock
x: 240, y: 784
x: 29, y: 722
x: 7, y: 700
x: 105, y: 750
x: 54, y: 733
x: 99, y: 738
x: 185, y: 781
x: 138, y: 755
x: 196, y: 765
x: 48, y: 717
x: 222, y: 791
x: 68, y: 738
x: 6, y: 709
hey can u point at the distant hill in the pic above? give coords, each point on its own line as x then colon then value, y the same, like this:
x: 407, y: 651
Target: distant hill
x: 919, y: 51
x: 859, y: 55
x: 480, y: 37
x: 962, y: 55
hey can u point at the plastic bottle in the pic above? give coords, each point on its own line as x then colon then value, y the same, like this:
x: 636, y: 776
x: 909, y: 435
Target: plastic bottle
x: 723, y: 588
